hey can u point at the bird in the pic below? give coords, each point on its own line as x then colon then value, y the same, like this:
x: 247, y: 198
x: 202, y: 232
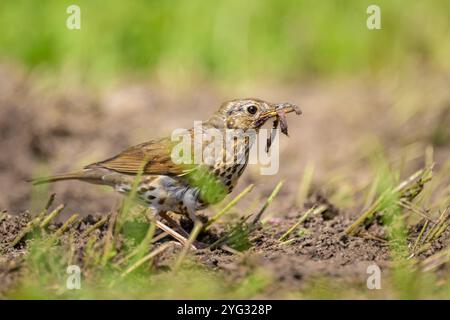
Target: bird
x: 165, y: 184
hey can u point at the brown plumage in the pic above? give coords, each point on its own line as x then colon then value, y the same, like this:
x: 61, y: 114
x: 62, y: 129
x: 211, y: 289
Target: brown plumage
x: 167, y: 185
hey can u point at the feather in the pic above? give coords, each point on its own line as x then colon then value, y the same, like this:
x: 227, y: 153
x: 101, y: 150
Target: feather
x: 152, y: 157
x: 60, y: 177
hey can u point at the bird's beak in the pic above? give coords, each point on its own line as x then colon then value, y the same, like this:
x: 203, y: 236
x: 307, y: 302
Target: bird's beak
x: 283, y: 107
x: 275, y: 110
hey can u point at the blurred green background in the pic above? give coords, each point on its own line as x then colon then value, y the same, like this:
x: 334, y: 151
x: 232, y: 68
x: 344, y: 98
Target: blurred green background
x: 228, y: 40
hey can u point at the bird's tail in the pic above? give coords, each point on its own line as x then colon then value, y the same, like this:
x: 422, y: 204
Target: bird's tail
x: 60, y: 177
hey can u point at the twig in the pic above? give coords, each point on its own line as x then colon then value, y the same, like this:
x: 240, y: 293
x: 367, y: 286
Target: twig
x: 50, y: 201
x: 140, y: 262
x: 52, y: 215
x: 287, y: 241
x: 419, y: 237
x: 172, y: 232
x: 431, y: 234
x: 410, y: 206
x: 421, y: 249
x: 441, y: 230
x: 230, y: 250
x: 160, y: 236
x: 47, y: 206
x: 30, y: 225
x: 89, y: 252
x: 194, y: 233
x: 109, y: 237
x: 436, y: 260
x: 97, y: 225
x: 404, y: 191
x: 268, y: 202
x: 58, y: 233
x: 312, y: 210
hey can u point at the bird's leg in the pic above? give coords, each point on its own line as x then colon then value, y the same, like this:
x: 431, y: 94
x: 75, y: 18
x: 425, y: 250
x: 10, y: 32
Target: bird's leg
x: 173, y: 233
x: 180, y: 238
x: 174, y: 224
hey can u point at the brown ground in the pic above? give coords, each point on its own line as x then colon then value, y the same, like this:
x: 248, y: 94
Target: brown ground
x: 49, y: 131
x: 322, y: 251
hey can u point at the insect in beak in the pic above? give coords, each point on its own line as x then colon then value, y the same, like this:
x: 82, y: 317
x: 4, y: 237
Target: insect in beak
x: 279, y: 112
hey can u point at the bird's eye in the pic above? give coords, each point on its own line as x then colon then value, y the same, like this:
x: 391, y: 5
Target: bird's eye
x: 252, y: 109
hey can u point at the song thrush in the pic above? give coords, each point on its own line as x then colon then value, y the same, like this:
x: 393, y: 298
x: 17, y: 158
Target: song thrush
x: 165, y: 184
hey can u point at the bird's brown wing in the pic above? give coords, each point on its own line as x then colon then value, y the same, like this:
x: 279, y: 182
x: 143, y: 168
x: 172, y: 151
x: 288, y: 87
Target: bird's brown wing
x: 153, y: 157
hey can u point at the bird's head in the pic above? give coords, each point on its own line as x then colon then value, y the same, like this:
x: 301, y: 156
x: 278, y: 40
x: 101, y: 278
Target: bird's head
x: 247, y: 114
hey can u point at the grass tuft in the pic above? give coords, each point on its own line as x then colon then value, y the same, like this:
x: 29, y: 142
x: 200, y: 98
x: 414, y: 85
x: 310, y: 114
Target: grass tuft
x: 404, y: 192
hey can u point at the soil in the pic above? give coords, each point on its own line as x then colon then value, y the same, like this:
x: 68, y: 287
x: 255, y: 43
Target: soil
x: 323, y: 250
x: 48, y: 132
